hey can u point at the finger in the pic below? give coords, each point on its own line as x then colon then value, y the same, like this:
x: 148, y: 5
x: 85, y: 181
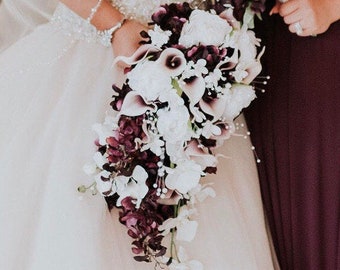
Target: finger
x: 292, y: 17
x: 275, y: 9
x: 288, y: 7
x: 306, y: 33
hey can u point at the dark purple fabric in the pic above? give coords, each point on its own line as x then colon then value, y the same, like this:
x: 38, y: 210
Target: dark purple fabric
x: 295, y: 127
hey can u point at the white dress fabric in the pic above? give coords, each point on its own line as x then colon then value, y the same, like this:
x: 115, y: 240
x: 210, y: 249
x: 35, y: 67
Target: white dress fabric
x: 54, y: 84
x: 18, y: 18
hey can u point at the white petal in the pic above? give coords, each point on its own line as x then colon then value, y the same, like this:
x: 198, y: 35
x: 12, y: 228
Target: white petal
x: 89, y: 168
x: 187, y: 230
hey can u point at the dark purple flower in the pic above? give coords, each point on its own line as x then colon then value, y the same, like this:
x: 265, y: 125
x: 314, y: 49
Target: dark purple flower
x: 172, y: 17
x: 258, y: 6
x: 142, y: 224
x: 212, y: 54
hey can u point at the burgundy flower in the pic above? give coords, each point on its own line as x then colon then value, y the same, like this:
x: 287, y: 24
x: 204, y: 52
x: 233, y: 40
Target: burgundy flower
x: 142, y: 224
x: 258, y: 6
x: 172, y: 17
x: 212, y: 54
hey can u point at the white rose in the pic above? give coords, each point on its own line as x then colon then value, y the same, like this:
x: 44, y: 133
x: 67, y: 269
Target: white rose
x: 204, y: 28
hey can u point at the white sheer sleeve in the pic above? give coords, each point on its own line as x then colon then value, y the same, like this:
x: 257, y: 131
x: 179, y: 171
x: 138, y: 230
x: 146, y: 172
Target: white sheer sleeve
x: 19, y: 17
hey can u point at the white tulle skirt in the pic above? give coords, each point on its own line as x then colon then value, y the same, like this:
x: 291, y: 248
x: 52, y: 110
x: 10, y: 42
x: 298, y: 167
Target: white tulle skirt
x: 53, y: 88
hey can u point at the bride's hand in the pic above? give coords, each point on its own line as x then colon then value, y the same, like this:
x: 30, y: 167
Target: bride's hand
x: 308, y: 17
x: 127, y: 39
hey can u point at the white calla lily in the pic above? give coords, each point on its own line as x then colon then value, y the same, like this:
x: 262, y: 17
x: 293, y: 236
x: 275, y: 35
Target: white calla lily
x: 171, y: 61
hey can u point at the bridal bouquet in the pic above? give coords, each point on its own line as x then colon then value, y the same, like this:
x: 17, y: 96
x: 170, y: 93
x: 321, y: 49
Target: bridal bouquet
x: 182, y: 92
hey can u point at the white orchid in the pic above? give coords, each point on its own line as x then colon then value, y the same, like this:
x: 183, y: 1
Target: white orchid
x: 200, y: 193
x: 105, y: 130
x: 210, y: 129
x: 200, y: 155
x: 100, y: 176
x: 198, y: 115
x: 184, y: 263
x: 185, y: 228
x: 132, y: 186
x: 104, y: 183
x: 184, y: 177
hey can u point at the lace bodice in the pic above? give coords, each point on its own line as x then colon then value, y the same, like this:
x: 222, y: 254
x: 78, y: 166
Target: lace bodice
x: 73, y: 25
x: 141, y: 10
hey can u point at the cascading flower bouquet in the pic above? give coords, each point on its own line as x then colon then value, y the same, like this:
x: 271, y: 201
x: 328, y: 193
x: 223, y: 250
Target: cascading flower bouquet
x: 182, y: 92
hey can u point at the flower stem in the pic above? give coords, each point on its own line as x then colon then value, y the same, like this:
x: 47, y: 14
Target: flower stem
x: 83, y: 188
x: 173, y: 248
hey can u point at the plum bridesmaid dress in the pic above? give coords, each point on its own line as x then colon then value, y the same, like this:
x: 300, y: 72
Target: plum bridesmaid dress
x: 295, y: 127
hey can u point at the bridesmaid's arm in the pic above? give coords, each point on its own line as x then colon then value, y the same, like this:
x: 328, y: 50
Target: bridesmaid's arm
x: 126, y: 39
x: 314, y: 16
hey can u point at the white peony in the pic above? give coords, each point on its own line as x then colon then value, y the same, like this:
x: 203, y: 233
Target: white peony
x: 148, y: 79
x: 204, y: 28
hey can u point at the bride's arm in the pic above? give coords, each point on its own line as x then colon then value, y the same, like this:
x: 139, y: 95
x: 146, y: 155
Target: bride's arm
x: 105, y: 17
x: 126, y: 39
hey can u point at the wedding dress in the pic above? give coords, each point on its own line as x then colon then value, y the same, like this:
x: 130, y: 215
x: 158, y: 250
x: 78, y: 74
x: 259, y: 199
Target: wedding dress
x: 54, y: 84
x: 18, y: 18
